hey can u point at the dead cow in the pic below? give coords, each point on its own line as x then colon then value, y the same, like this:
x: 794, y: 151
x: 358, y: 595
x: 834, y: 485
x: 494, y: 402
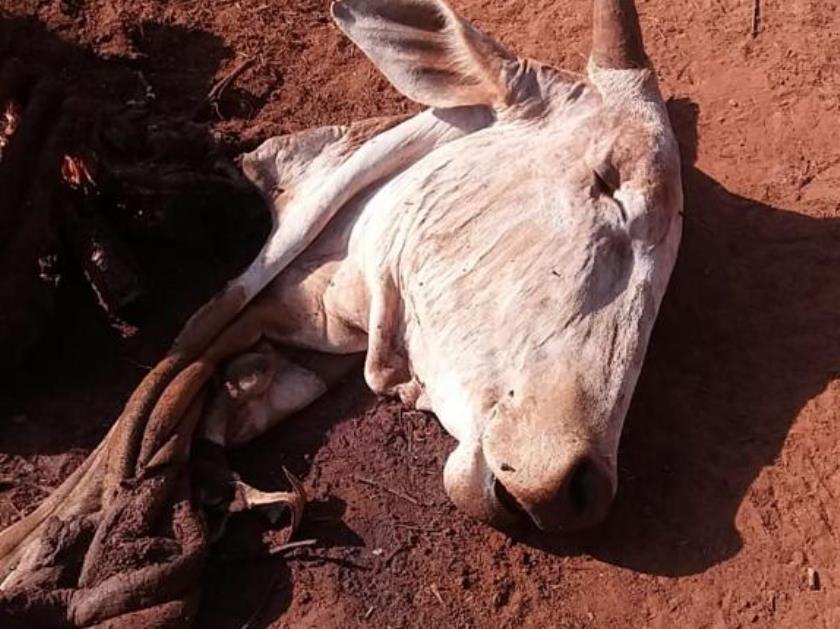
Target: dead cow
x: 498, y: 259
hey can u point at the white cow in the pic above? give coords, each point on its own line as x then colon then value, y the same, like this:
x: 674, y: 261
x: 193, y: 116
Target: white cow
x: 499, y: 259
x: 500, y: 256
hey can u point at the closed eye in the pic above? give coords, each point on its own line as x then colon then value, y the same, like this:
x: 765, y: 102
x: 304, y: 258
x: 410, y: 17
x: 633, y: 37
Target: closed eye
x: 606, y: 183
x: 602, y: 185
x: 606, y: 178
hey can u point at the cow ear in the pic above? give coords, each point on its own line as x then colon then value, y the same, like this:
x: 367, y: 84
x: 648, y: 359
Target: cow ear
x: 428, y: 52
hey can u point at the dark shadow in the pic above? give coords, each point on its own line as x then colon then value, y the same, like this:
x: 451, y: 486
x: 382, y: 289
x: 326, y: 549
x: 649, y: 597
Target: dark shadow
x: 748, y: 333
x: 177, y: 65
x: 268, y: 593
x: 166, y: 187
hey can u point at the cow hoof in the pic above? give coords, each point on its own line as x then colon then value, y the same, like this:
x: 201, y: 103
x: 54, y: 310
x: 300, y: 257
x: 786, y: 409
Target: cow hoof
x: 275, y: 504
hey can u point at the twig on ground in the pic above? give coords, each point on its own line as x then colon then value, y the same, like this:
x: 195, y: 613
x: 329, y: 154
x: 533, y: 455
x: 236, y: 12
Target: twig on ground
x: 282, y: 548
x: 394, y: 553
x: 273, y: 550
x: 322, y: 559
x: 222, y: 84
x: 414, y: 527
x: 368, y: 613
x: 436, y: 592
x: 756, y: 18
x: 393, y: 492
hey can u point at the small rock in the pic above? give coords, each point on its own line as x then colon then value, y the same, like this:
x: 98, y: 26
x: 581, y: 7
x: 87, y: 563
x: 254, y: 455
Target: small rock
x: 797, y: 558
x: 502, y: 596
x: 813, y: 579
x: 377, y: 552
x: 501, y: 599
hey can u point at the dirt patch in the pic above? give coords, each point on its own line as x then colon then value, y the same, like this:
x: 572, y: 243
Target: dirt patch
x: 729, y: 463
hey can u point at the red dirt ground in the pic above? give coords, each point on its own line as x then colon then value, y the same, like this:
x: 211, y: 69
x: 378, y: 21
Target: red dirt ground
x: 730, y: 461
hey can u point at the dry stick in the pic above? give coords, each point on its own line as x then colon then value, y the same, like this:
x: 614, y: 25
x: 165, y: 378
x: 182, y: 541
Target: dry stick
x: 394, y: 553
x: 398, y: 494
x: 756, y: 15
x: 282, y: 548
x: 420, y: 529
x: 222, y: 84
x: 274, y: 550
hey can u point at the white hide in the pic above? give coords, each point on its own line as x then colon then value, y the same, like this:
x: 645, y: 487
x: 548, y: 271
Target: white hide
x: 502, y: 262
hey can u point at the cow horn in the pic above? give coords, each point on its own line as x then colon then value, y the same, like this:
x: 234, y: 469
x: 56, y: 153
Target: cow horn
x: 616, y: 35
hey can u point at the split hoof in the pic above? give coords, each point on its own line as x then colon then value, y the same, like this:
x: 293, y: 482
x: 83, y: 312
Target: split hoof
x: 274, y: 503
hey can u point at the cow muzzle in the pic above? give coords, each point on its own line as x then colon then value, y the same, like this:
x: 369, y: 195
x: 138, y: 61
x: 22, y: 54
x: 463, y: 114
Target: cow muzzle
x: 576, y: 498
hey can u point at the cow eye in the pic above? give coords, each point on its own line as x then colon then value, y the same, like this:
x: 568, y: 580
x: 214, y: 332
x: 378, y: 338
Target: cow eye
x: 606, y: 178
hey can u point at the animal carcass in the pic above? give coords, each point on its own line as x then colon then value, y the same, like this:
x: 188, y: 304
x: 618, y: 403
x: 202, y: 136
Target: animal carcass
x: 498, y: 259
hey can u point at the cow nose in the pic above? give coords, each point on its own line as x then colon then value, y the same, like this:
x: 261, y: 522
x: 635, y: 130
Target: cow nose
x: 579, y: 499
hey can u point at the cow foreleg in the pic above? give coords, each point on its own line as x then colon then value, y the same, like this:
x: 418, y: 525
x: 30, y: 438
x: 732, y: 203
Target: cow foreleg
x: 263, y: 387
x: 260, y: 388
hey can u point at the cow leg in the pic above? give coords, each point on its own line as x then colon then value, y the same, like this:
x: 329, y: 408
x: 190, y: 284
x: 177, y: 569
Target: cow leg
x: 264, y: 386
x: 260, y: 388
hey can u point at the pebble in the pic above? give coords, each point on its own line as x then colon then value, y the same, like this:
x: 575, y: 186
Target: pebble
x: 503, y: 592
x: 813, y: 579
x: 501, y: 599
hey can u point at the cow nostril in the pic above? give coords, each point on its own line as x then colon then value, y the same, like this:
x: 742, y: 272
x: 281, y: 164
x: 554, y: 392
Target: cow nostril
x: 506, y: 499
x: 583, y: 487
x: 580, y: 500
x: 589, y: 493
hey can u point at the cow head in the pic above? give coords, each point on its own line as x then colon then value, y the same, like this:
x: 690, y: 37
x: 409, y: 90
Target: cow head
x: 527, y: 326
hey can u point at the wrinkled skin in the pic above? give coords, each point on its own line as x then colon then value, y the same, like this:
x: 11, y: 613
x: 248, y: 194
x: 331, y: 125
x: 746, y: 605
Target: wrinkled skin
x: 498, y: 259
x: 505, y: 260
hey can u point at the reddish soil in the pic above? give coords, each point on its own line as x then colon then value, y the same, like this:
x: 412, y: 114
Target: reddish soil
x: 730, y: 461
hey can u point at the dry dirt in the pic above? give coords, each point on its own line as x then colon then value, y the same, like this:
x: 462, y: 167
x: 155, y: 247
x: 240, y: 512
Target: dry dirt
x: 730, y: 461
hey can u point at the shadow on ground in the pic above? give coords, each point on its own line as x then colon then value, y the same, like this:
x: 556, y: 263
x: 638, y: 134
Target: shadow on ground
x: 166, y: 196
